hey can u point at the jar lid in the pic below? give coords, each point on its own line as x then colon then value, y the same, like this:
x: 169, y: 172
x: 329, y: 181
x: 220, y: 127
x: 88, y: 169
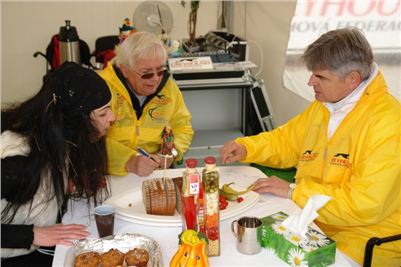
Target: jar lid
x: 191, y: 163
x: 210, y: 160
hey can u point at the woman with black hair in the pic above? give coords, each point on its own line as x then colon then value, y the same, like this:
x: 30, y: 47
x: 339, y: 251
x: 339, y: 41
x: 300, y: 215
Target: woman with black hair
x: 52, y: 149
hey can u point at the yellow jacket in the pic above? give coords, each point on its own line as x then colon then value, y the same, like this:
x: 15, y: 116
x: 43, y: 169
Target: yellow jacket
x: 359, y: 167
x: 128, y: 132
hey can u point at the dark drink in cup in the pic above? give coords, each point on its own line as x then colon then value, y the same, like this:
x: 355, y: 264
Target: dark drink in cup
x: 104, y: 216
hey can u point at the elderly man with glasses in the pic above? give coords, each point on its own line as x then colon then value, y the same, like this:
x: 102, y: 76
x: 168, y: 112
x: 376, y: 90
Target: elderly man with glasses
x: 145, y: 99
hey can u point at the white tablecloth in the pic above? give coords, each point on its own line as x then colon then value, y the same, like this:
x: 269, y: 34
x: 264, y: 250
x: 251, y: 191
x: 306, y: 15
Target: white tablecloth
x: 167, y: 237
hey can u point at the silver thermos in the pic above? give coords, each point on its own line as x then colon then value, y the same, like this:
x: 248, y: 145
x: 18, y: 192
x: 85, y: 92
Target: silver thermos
x: 69, y: 44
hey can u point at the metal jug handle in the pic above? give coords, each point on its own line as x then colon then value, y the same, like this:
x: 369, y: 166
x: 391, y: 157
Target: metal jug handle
x: 232, y: 228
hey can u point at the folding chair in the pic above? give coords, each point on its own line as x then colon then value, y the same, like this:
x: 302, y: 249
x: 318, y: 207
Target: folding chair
x: 376, y: 241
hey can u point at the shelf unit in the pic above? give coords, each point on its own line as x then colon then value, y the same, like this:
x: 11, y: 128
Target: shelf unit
x: 227, y: 79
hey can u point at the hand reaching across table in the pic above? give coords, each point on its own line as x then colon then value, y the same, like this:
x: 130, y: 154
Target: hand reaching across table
x: 232, y: 152
x: 59, y: 234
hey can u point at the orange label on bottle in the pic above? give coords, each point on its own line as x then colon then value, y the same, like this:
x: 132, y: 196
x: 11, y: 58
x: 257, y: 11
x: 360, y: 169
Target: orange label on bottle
x: 193, y: 184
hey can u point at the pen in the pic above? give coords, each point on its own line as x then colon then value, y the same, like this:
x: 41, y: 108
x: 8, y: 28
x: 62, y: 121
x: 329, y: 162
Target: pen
x: 144, y: 153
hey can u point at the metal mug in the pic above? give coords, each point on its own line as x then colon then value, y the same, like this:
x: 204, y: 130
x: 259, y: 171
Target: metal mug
x: 248, y: 234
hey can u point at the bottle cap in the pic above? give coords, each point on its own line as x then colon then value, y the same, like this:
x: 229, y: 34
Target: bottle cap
x: 191, y: 163
x: 210, y: 160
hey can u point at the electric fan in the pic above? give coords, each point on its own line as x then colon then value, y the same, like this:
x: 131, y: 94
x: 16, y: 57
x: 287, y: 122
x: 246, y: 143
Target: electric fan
x: 153, y: 16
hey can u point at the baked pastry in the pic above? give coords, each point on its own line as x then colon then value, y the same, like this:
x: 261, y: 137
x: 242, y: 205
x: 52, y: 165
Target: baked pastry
x: 112, y: 258
x: 137, y: 257
x: 159, y: 196
x: 87, y: 259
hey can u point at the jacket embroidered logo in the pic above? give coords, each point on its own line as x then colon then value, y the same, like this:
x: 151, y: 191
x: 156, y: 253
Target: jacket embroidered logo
x: 154, y: 113
x: 308, y: 156
x: 341, y: 159
x: 161, y: 100
x: 158, y: 105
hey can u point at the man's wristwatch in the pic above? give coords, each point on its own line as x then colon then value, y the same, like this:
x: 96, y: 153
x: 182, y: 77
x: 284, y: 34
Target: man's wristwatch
x: 174, y: 152
x: 292, y: 187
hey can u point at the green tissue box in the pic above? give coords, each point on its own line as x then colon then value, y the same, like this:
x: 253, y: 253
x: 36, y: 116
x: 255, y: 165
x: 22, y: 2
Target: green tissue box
x: 316, y: 250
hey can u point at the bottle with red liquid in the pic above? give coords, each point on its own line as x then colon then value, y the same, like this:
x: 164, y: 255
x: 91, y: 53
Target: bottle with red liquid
x: 189, y: 198
x: 210, y: 181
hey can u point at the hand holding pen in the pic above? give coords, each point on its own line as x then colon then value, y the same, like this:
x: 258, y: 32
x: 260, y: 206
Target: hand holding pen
x: 146, y: 154
x: 159, y: 160
x: 142, y: 164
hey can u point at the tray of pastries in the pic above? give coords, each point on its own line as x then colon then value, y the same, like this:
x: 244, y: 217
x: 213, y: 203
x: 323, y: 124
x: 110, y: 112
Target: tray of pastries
x: 115, y: 250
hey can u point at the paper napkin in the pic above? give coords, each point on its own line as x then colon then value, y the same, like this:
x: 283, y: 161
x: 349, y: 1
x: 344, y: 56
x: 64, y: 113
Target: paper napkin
x: 299, y: 221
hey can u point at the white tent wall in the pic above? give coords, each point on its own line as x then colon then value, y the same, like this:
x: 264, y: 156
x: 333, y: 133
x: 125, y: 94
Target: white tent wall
x: 28, y: 26
x: 267, y: 23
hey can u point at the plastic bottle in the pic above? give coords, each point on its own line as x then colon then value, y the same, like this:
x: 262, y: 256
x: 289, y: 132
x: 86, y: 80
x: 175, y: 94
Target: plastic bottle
x: 190, y: 191
x: 210, y: 181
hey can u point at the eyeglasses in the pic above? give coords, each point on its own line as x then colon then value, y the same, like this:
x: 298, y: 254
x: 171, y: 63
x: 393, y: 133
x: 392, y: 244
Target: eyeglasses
x: 149, y: 75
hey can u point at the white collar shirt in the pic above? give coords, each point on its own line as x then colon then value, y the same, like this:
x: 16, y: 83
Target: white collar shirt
x: 340, y: 109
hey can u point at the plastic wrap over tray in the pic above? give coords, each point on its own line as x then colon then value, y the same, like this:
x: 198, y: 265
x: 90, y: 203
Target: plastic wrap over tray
x: 124, y: 243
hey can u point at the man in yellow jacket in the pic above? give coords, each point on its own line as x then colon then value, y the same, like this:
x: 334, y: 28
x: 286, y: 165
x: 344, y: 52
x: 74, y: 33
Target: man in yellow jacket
x: 346, y: 145
x: 145, y: 100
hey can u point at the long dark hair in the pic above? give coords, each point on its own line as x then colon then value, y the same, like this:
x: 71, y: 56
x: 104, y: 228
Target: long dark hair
x: 60, y: 134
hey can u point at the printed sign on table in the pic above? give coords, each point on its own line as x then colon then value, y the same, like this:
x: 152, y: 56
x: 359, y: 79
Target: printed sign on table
x: 190, y: 63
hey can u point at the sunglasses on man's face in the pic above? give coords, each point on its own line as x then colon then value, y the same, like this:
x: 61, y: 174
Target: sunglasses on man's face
x: 149, y: 75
